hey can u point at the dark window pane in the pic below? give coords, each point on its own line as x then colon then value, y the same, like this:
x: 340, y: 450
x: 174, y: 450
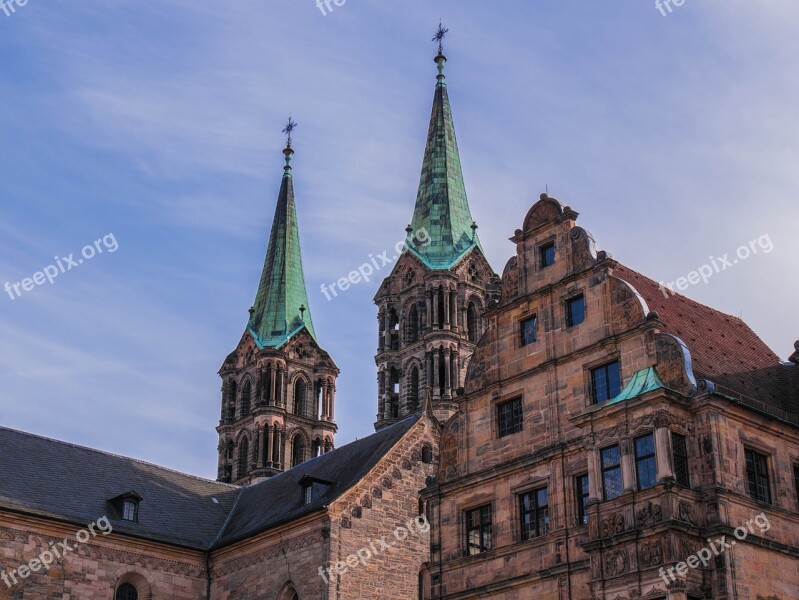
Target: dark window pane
x: 757, y: 478
x: 529, y: 330
x: 606, y: 382
x: 534, y: 508
x: 611, y: 472
x: 645, y: 462
x: 582, y: 499
x: 679, y: 448
x: 509, y: 417
x: 478, y: 530
x: 546, y: 255
x: 127, y: 592
x: 575, y: 311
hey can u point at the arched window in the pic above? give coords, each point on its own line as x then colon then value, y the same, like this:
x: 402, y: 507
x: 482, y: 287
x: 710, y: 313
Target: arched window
x: 472, y: 323
x: 427, y: 454
x: 413, y: 325
x: 413, y: 390
x: 300, y: 402
x: 126, y: 591
x: 440, y: 300
x: 393, y: 324
x: 246, y: 398
x: 277, y: 448
x: 244, y: 458
x: 297, y: 450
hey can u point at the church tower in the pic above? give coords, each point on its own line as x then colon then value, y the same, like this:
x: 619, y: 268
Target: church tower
x: 278, y: 385
x: 430, y: 308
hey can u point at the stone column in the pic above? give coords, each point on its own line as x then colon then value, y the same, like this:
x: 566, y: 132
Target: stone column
x: 429, y: 314
x: 387, y: 332
x: 627, y: 467
x: 456, y: 371
x: 273, y: 380
x: 456, y: 315
x: 594, y: 473
x: 663, y: 453
x: 332, y: 402
x: 447, y: 373
x: 270, y: 438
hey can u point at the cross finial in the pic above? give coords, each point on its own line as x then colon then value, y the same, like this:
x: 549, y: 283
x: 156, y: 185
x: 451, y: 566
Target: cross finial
x: 290, y: 126
x: 439, y: 37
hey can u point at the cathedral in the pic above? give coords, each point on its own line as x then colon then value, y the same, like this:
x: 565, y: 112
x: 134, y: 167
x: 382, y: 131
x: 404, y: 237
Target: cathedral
x: 564, y: 431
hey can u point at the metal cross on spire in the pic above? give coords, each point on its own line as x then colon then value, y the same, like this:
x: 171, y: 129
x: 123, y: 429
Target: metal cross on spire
x: 290, y: 126
x: 439, y: 37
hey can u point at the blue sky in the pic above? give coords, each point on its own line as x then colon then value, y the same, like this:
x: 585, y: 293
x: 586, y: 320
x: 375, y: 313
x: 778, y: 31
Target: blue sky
x: 676, y: 138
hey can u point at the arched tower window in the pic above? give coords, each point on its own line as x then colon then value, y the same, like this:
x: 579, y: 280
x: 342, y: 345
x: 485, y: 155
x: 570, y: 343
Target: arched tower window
x: 300, y: 400
x: 441, y: 313
x: 413, y: 325
x: 393, y: 325
x: 394, y: 390
x: 242, y: 466
x: 473, y: 323
x: 413, y: 389
x: 297, y: 450
x: 246, y: 398
x: 230, y: 401
x: 126, y: 591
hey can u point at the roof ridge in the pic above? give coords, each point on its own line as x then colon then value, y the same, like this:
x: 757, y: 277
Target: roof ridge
x: 115, y: 455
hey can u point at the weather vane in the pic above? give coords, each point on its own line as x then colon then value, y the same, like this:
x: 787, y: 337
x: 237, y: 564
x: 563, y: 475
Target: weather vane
x: 439, y: 37
x: 290, y: 126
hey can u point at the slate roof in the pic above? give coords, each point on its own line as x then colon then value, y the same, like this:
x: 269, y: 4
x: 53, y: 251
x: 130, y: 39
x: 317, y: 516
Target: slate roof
x: 276, y: 315
x: 62, y: 481
x: 442, y: 209
x: 72, y: 483
x: 279, y: 499
x: 724, y: 349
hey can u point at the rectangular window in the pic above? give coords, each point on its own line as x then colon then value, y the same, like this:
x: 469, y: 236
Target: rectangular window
x: 307, y: 494
x: 679, y: 448
x: 611, y: 472
x: 546, y: 255
x: 796, y: 482
x: 645, y: 462
x: 757, y: 476
x: 582, y: 499
x: 605, y: 382
x: 529, y: 331
x: 534, y: 510
x: 575, y: 311
x: 478, y: 530
x: 509, y: 417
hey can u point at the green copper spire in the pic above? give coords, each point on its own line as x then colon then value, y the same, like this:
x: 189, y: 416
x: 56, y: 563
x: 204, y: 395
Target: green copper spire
x: 281, y: 304
x: 441, y: 205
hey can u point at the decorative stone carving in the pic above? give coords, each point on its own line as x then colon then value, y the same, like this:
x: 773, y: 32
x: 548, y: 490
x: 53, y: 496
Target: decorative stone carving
x: 615, y: 564
x: 649, y: 516
x: 686, y: 512
x: 651, y: 554
x: 613, y: 525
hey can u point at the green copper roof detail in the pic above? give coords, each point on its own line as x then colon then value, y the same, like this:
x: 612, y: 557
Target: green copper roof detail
x: 281, y: 304
x: 642, y: 382
x: 442, y: 209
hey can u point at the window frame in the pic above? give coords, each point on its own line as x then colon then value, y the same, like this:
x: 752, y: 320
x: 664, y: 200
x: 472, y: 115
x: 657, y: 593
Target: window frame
x: 134, y: 505
x: 513, y: 427
x: 582, y: 494
x: 485, y: 531
x: 121, y: 588
x: 537, y: 511
x: 522, y: 337
x: 542, y: 254
x: 604, y: 470
x: 761, y: 472
x: 650, y: 458
x: 593, y: 381
x: 680, y: 459
x: 568, y: 310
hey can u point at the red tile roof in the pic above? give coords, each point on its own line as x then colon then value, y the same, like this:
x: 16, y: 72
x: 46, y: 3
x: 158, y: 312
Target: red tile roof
x: 723, y: 348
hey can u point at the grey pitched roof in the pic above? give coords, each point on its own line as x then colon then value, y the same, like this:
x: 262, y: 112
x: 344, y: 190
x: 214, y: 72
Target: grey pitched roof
x: 54, y: 479
x: 279, y: 499
x: 72, y: 483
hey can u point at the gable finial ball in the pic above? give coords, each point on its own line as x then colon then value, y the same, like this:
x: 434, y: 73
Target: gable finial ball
x: 544, y: 196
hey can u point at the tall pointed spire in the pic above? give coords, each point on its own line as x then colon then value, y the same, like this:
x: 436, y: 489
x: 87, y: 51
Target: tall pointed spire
x: 281, y: 304
x: 442, y: 209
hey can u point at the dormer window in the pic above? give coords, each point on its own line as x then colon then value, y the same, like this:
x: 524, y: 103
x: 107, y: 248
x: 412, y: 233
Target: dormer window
x: 307, y: 494
x: 313, y: 489
x: 129, y: 510
x: 126, y: 506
